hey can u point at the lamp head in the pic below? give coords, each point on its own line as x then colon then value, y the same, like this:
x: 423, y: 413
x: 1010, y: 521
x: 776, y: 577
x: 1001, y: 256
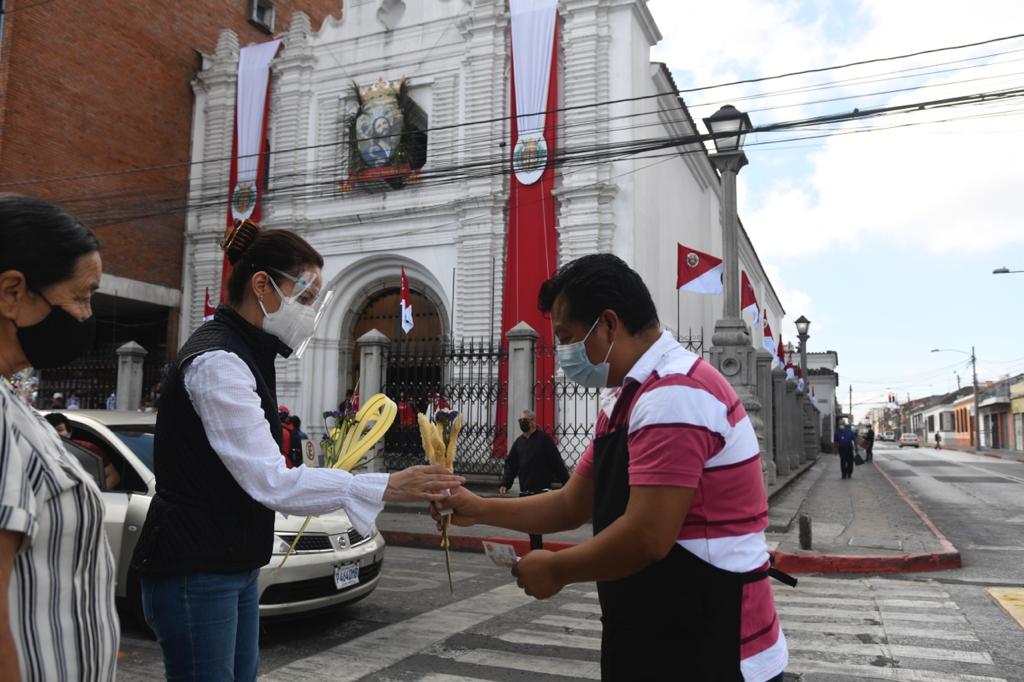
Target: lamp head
x: 802, y: 325
x: 728, y: 127
x: 1001, y: 271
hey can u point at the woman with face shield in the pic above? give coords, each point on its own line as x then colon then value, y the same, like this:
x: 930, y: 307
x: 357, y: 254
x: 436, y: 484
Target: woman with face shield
x: 220, y: 475
x: 57, y: 616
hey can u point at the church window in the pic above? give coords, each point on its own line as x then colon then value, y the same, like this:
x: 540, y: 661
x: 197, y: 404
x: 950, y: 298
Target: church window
x: 262, y: 15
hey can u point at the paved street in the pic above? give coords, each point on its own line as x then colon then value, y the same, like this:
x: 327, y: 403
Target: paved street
x: 933, y: 627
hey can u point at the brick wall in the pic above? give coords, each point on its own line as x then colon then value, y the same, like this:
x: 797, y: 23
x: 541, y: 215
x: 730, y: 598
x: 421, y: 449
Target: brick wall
x: 102, y: 86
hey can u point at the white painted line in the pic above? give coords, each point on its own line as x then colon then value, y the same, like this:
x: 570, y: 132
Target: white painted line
x: 552, y: 639
x: 587, y: 624
x: 388, y: 645
x: 876, y: 631
x: 875, y: 673
x: 439, y: 677
x: 848, y: 615
x: 582, y: 608
x: 567, y: 667
x: 862, y: 588
x: 800, y: 642
x: 917, y: 604
x: 865, y: 603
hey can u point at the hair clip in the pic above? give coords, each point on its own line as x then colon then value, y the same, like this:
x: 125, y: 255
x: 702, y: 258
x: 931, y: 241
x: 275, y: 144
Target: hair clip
x: 235, y: 233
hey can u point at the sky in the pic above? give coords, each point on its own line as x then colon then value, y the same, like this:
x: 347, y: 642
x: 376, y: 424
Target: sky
x: 885, y: 239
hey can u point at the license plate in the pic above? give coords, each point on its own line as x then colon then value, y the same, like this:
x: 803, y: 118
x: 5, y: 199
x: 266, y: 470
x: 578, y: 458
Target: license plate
x: 346, y: 576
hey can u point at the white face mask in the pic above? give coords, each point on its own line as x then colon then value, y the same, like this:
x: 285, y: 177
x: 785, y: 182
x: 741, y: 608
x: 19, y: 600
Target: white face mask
x: 294, y: 322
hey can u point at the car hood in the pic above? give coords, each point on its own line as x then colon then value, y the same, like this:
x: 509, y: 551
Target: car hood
x: 332, y: 523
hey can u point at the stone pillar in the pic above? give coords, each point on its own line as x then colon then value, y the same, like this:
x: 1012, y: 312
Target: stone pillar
x: 522, y: 341
x: 129, y: 376
x: 810, y: 439
x: 736, y: 359
x: 373, y: 350
x: 764, y: 393
x: 794, y: 426
x: 780, y: 425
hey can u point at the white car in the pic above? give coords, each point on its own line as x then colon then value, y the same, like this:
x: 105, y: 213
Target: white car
x: 910, y: 440
x: 332, y: 563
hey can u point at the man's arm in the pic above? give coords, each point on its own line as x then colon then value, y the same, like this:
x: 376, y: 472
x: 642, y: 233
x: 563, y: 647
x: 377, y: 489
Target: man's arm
x: 563, y: 509
x: 644, y: 534
x: 9, y: 543
x: 511, y: 467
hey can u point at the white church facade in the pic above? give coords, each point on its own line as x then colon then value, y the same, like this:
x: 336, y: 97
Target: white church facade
x: 444, y: 220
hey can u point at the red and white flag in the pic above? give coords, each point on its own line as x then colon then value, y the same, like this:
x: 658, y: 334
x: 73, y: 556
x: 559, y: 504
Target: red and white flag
x: 780, y: 353
x: 405, y: 303
x: 748, y: 301
x: 208, y: 308
x: 698, y: 272
x: 790, y: 372
x: 768, y: 340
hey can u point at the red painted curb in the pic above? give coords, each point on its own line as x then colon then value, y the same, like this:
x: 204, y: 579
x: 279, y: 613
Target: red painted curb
x: 947, y: 558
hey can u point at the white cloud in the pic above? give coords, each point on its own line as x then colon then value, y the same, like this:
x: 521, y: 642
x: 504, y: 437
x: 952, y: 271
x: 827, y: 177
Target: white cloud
x: 796, y: 301
x: 942, y: 187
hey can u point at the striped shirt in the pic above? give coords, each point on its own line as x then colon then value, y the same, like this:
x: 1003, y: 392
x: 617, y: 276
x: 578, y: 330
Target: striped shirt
x: 688, y: 428
x: 61, y: 597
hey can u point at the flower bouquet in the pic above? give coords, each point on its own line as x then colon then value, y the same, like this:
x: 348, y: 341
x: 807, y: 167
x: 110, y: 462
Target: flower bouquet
x: 439, y: 437
x: 354, y: 435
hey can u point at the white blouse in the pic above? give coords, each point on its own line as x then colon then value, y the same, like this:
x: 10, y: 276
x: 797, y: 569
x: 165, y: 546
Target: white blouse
x: 223, y: 392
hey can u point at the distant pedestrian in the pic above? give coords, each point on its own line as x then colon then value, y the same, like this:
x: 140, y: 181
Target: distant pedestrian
x: 57, y: 403
x: 846, y: 439
x: 112, y: 401
x: 349, y: 404
x: 938, y: 440
x: 74, y: 403
x: 57, y: 614
x: 869, y: 444
x: 298, y: 436
x: 534, y: 459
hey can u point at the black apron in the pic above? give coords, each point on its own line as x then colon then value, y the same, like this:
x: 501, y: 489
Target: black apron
x: 677, y: 619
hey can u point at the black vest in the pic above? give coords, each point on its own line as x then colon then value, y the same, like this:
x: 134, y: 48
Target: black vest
x: 200, y: 519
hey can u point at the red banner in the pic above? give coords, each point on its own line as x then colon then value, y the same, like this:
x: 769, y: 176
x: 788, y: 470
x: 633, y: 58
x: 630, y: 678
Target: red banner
x: 531, y: 254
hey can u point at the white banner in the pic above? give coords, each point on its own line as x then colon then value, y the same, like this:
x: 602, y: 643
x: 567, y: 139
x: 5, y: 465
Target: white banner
x: 251, y: 99
x: 533, y: 33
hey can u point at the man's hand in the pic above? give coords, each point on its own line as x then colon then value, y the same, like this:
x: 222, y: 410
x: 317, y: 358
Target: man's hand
x: 536, y: 575
x: 421, y: 482
x: 468, y: 508
x: 502, y: 491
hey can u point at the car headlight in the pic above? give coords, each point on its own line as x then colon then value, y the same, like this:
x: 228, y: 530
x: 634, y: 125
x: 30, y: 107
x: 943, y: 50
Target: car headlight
x: 280, y: 546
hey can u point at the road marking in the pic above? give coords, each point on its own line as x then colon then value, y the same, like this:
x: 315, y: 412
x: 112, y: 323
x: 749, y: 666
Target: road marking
x: 552, y: 639
x: 800, y: 643
x: 567, y: 667
x: 388, y: 645
x: 865, y: 603
x: 1011, y: 599
x: 582, y: 608
x: 876, y: 631
x: 878, y: 673
x: 588, y: 624
x: 993, y: 548
x: 845, y: 614
x: 440, y: 677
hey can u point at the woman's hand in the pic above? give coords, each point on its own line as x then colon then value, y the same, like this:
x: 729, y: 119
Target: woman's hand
x: 421, y: 482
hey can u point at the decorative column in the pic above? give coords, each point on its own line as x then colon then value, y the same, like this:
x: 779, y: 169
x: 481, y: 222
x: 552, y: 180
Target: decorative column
x: 780, y: 417
x: 522, y: 342
x: 373, y: 349
x: 794, y: 425
x: 130, y: 357
x: 764, y: 392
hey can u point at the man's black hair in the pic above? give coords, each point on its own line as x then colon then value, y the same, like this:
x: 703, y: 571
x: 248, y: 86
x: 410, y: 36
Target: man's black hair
x: 592, y: 284
x: 56, y: 418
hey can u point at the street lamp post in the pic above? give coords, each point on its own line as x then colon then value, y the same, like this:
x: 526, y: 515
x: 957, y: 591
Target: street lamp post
x: 802, y: 325
x: 974, y: 372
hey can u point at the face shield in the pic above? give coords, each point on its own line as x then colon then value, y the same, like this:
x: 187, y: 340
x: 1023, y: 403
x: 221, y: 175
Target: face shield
x: 300, y: 313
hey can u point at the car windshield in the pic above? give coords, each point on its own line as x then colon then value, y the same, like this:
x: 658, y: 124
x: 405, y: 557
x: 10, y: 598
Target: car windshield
x: 141, y: 443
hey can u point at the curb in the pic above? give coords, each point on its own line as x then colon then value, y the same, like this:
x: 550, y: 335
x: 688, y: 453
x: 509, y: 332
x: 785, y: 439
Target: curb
x: 945, y: 559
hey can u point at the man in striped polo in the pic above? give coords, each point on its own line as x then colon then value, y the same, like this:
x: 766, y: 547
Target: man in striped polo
x: 672, y: 482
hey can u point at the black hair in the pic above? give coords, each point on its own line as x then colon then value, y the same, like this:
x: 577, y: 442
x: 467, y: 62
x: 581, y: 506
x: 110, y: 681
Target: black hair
x: 41, y: 240
x: 349, y: 393
x: 56, y: 418
x: 250, y: 250
x: 297, y: 422
x: 592, y: 284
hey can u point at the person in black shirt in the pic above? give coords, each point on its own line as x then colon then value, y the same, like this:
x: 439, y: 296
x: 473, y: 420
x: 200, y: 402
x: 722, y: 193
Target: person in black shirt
x: 869, y: 444
x: 535, y: 460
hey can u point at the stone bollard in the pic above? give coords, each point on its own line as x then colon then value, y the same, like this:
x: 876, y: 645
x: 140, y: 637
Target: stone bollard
x: 130, y: 357
x: 805, y: 531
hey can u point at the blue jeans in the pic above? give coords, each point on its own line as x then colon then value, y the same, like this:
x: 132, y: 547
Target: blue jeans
x: 207, y: 624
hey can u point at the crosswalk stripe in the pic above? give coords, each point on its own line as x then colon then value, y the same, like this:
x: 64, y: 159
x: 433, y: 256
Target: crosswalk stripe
x: 567, y: 667
x: 588, y: 624
x: 872, y: 672
x: 874, y: 630
x: 799, y: 643
x: 879, y: 584
x: 441, y: 677
x: 866, y: 603
x: 582, y: 608
x: 552, y: 639
x: 846, y: 614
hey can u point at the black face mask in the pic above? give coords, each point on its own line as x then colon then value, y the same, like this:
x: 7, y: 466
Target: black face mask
x: 57, y: 339
x: 524, y: 425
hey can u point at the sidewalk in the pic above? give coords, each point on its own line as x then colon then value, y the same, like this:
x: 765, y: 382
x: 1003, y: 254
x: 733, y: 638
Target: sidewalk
x: 865, y: 524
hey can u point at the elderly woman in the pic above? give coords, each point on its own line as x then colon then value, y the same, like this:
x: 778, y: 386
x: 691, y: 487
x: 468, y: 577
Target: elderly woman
x: 219, y: 471
x: 57, y: 617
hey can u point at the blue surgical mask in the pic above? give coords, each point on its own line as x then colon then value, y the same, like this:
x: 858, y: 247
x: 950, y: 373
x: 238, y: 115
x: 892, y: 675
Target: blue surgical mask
x: 572, y: 358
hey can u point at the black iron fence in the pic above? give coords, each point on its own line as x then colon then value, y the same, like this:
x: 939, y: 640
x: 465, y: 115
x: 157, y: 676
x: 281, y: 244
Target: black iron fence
x: 467, y: 376
x: 89, y: 381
